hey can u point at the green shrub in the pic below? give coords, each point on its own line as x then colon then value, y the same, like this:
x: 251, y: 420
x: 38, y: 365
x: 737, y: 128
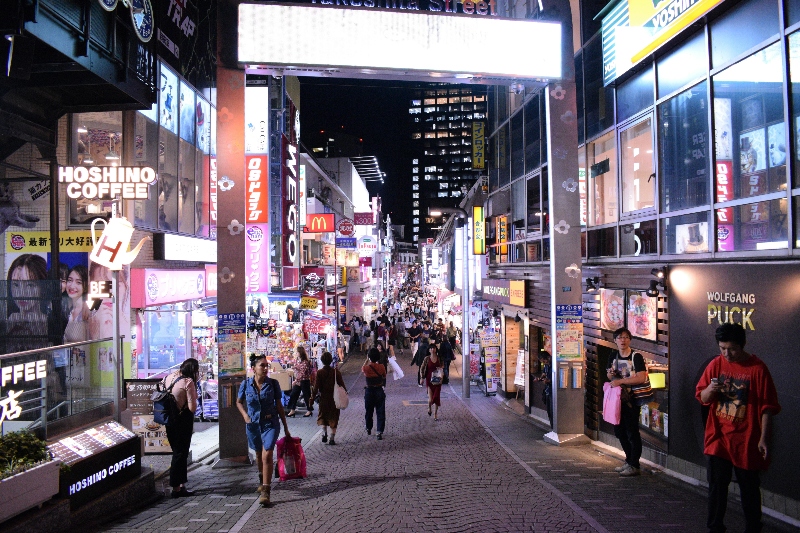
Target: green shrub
x: 20, y: 451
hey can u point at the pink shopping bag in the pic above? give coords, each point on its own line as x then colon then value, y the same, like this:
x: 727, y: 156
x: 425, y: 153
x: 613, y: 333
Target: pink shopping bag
x: 612, y: 403
x: 291, y: 458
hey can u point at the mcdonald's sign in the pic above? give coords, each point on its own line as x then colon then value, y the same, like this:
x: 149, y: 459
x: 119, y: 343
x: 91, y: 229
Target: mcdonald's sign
x: 319, y: 223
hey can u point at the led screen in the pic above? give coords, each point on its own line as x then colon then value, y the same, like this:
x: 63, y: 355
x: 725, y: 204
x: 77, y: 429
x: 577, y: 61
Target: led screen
x: 300, y: 35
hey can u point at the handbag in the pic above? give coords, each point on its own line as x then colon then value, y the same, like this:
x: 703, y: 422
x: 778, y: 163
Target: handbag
x: 340, y: 398
x: 397, y: 372
x: 437, y: 376
x: 638, y: 395
x: 291, y: 458
x: 165, y: 406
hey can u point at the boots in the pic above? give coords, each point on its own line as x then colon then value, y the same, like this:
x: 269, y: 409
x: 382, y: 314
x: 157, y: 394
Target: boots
x: 265, y: 493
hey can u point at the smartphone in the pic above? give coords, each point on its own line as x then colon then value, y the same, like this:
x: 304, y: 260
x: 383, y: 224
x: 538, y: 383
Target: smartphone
x: 715, y: 381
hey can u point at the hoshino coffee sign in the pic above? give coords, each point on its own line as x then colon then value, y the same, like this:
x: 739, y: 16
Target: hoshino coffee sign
x: 129, y: 183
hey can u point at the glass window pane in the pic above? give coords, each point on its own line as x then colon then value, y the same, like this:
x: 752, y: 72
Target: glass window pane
x: 579, y: 98
x: 794, y: 73
x: 168, y: 182
x: 532, y: 135
x: 188, y: 113
x: 534, y: 250
x: 685, y: 234
x: 638, y: 174
x: 683, y: 150
x: 683, y: 65
x: 545, y: 203
x: 146, y: 154
x: 503, y: 155
x: 518, y: 214
x: 635, y: 94
x: 599, y: 99
x: 201, y: 191
x: 602, y: 181
x: 759, y: 226
x: 519, y: 252
x: 750, y: 136
x: 168, y: 100
x: 186, y: 185
x: 797, y: 221
x: 517, y: 146
x: 534, y: 208
x: 792, y: 11
x: 602, y: 242
x: 494, y: 166
x: 98, y: 143
x: 638, y: 238
x: 735, y: 31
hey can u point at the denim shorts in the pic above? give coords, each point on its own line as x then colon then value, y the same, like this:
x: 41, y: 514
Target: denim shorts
x: 262, y: 437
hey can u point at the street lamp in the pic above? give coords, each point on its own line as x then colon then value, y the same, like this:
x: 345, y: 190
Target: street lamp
x: 460, y: 213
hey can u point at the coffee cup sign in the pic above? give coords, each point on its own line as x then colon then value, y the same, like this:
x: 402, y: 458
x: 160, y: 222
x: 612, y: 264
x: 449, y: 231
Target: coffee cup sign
x: 111, y: 250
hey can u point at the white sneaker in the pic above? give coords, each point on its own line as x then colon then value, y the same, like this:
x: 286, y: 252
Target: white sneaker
x: 630, y: 471
x: 622, y: 467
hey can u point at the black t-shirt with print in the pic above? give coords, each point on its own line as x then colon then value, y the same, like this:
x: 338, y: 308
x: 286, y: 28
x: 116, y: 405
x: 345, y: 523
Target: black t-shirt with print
x: 623, y: 364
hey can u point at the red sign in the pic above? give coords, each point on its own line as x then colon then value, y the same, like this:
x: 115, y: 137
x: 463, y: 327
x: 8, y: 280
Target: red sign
x: 257, y: 189
x: 365, y: 261
x: 430, y: 240
x: 319, y: 223
x: 313, y: 282
x: 316, y: 325
x: 211, y: 280
x: 363, y: 219
x: 725, y: 228
x: 345, y: 227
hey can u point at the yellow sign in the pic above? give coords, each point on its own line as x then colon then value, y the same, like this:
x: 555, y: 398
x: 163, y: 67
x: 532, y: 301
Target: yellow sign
x: 478, y: 231
x: 516, y: 293
x: 27, y: 242
x: 478, y: 145
x: 308, y: 302
x: 502, y: 233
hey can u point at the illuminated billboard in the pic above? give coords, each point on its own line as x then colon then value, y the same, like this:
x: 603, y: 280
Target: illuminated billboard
x: 298, y: 36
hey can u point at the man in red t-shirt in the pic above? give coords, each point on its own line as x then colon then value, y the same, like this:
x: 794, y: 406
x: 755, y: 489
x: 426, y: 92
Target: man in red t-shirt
x: 739, y: 388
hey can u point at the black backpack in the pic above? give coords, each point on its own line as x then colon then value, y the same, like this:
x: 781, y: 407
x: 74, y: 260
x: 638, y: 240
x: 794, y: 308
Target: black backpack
x: 165, y: 406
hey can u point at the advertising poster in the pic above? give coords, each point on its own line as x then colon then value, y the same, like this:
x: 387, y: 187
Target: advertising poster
x: 612, y: 309
x: 691, y: 238
x: 154, y: 436
x: 519, y: 375
x: 474, y: 360
x: 569, y: 332
x: 492, y: 358
x: 642, y: 314
x: 232, y: 339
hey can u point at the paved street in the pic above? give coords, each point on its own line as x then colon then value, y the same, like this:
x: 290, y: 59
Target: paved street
x: 481, y: 468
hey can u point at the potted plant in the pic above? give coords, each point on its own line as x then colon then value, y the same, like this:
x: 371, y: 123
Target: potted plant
x: 28, y: 476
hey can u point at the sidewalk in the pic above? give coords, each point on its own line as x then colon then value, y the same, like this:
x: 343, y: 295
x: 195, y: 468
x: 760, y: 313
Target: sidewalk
x: 482, y: 468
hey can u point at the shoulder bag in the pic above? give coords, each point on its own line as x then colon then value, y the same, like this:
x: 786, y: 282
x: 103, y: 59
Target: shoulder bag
x: 165, y: 406
x: 340, y: 398
x: 638, y: 395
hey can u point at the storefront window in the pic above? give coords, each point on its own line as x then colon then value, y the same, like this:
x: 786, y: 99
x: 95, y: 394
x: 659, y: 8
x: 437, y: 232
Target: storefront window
x: 638, y: 174
x: 638, y: 238
x: 750, y: 134
x: 685, y: 234
x: 683, y: 65
x: 517, y: 146
x: 759, y: 226
x: 535, y: 212
x: 97, y: 141
x: 794, y: 73
x: 602, y: 242
x: 602, y: 181
x: 533, y: 135
x: 683, y: 150
x: 734, y: 32
x: 635, y: 94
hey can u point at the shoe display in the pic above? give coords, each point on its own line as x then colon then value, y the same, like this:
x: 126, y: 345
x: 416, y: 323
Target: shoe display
x: 630, y: 471
x: 620, y: 468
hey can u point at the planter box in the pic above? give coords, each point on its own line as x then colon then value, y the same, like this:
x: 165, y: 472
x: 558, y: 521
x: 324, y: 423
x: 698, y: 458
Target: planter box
x: 28, y: 489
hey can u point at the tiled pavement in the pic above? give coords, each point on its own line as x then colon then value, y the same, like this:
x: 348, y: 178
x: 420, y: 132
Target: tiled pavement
x: 481, y: 468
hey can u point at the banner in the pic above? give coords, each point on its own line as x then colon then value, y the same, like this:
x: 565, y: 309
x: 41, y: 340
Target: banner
x: 363, y: 219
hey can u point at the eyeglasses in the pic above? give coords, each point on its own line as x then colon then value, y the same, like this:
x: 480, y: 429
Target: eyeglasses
x: 622, y: 338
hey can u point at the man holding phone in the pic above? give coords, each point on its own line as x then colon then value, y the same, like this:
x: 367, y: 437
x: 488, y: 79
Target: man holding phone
x: 739, y: 388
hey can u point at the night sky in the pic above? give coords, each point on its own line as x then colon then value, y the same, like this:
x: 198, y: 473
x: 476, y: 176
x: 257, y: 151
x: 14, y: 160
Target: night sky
x: 375, y: 111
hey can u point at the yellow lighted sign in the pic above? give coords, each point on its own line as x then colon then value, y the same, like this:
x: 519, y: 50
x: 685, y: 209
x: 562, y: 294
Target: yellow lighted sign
x: 307, y: 302
x: 478, y: 145
x: 478, y: 231
x: 502, y: 233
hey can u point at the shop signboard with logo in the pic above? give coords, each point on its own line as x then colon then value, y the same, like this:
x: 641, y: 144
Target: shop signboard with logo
x: 765, y: 300
x: 345, y: 227
x: 367, y: 246
x: 478, y: 231
x: 363, y: 219
x: 319, y: 223
x: 155, y: 287
x: 347, y: 243
x: 512, y: 292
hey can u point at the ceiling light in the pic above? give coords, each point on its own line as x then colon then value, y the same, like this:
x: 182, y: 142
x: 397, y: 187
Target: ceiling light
x: 82, y: 129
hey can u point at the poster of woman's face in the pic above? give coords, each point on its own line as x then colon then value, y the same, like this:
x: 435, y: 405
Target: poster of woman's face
x: 285, y: 310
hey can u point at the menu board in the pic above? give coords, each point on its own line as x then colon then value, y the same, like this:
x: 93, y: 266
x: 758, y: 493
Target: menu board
x: 492, y: 358
x: 72, y: 449
x: 140, y: 404
x: 642, y: 315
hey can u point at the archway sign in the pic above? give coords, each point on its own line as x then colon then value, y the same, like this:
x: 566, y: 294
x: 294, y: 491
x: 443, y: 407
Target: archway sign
x: 441, y: 41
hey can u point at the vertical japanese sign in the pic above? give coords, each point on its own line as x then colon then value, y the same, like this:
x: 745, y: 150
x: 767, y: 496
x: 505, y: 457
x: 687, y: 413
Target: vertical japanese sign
x: 569, y: 332
x: 723, y: 149
x: 231, y: 345
x: 478, y: 231
x: 256, y: 140
x: 502, y: 233
x: 478, y: 145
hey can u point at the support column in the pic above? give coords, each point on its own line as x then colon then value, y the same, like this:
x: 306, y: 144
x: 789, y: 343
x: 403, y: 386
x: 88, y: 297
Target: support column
x: 231, y: 298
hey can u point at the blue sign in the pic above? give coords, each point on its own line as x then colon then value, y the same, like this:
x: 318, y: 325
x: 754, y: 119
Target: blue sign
x: 231, y: 323
x: 346, y: 242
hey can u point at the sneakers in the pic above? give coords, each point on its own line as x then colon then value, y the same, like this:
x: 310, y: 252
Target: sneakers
x: 621, y: 467
x: 630, y: 471
x: 380, y: 436
x: 324, y: 437
x: 332, y: 441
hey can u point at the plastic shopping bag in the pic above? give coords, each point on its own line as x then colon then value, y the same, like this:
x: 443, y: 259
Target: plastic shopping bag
x: 291, y: 458
x: 397, y: 372
x: 612, y: 404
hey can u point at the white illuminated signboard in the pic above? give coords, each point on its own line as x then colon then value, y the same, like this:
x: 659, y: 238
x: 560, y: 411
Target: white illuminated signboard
x: 302, y: 35
x: 129, y: 183
x: 182, y: 248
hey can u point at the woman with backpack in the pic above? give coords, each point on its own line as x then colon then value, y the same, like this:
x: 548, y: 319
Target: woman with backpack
x: 433, y: 370
x: 183, y: 385
x: 259, y: 402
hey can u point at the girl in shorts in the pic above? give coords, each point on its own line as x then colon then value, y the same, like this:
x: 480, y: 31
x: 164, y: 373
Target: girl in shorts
x: 259, y: 401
